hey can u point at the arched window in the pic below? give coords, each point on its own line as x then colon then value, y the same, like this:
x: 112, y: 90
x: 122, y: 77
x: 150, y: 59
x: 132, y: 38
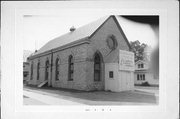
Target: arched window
x: 38, y: 66
x: 57, y: 69
x: 32, y: 71
x: 97, y: 67
x: 71, y: 68
x: 47, y: 70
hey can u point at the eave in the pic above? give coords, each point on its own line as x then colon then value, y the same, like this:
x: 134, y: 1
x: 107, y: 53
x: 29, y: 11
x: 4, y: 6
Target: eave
x: 69, y: 45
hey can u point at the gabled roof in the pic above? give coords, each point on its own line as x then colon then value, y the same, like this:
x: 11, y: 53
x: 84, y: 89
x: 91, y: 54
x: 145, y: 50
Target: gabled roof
x: 72, y: 36
x: 79, y: 34
x: 141, y: 61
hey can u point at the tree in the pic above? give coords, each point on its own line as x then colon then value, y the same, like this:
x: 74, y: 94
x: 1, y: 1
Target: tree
x: 138, y: 49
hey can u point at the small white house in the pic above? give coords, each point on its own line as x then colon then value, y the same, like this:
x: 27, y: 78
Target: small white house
x: 143, y: 73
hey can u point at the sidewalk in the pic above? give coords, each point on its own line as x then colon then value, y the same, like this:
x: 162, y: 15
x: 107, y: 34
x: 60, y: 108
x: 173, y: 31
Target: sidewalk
x: 30, y: 101
x: 46, y: 99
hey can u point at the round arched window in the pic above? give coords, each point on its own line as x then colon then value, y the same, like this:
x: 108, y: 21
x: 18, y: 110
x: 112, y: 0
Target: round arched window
x: 111, y: 42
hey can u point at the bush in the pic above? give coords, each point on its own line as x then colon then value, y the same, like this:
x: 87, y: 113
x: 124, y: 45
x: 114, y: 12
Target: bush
x: 145, y: 84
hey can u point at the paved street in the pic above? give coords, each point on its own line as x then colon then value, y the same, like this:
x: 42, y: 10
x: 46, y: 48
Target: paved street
x: 153, y: 90
x: 40, y: 98
x: 31, y: 101
x: 52, y: 96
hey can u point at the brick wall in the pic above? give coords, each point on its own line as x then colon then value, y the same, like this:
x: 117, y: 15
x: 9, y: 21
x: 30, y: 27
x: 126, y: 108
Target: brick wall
x: 79, y: 54
x: 84, y: 61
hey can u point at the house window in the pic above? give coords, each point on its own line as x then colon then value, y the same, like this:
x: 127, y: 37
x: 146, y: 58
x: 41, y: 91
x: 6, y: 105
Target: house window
x: 111, y: 74
x: 139, y: 65
x: 97, y: 67
x: 57, y: 69
x: 25, y: 74
x: 71, y: 68
x: 142, y: 66
x: 47, y: 70
x: 137, y: 76
x: 38, y: 65
x: 32, y: 71
x: 143, y: 76
x: 140, y: 77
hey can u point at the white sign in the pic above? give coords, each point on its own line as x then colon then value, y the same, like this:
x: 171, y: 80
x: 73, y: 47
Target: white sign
x: 126, y: 60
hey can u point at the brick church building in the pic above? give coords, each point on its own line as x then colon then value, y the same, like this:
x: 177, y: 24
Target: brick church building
x: 77, y: 59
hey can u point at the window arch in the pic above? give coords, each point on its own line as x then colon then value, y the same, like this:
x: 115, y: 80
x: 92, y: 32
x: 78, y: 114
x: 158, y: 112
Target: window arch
x: 57, y: 69
x: 31, y: 71
x: 47, y: 70
x: 71, y: 68
x: 97, y: 67
x: 38, y: 66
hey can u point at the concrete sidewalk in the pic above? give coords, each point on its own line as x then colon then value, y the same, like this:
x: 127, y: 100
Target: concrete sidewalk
x: 30, y: 101
x: 47, y: 99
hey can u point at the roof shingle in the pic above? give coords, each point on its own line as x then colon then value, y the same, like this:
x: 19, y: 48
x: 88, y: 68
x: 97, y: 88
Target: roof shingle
x: 79, y: 33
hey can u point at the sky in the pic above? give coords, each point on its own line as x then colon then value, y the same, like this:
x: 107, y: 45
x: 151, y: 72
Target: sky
x: 38, y: 30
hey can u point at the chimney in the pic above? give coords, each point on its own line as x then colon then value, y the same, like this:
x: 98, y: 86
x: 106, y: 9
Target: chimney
x: 72, y: 29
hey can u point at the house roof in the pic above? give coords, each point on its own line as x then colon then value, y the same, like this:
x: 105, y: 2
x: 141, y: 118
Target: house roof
x: 142, y: 61
x: 72, y: 36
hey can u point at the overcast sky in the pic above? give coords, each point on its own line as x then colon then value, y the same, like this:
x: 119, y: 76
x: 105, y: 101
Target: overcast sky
x: 38, y: 30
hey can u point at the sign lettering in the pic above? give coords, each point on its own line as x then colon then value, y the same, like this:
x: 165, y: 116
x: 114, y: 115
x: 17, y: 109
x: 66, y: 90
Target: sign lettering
x: 126, y: 60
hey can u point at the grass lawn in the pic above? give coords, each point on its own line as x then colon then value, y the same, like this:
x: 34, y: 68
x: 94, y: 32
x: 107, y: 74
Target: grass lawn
x: 93, y: 97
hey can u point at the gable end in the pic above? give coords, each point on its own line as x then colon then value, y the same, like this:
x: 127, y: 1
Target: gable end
x: 119, y: 27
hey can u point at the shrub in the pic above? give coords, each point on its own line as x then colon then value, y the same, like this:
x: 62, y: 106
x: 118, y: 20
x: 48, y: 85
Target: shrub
x: 145, y: 84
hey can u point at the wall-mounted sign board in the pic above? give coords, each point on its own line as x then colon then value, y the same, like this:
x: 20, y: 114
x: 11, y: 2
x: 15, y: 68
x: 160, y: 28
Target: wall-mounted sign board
x: 126, y: 60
